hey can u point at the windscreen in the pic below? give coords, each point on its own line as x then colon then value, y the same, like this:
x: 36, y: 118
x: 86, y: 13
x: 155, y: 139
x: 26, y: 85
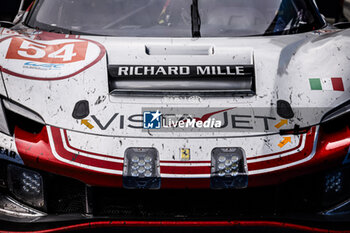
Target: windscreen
x: 176, y: 18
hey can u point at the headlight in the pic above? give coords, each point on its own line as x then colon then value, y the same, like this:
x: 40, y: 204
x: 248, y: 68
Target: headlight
x: 334, y: 182
x: 26, y: 185
x: 336, y: 190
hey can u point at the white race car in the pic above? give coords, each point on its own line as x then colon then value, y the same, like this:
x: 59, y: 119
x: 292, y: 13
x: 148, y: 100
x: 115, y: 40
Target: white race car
x: 174, y: 112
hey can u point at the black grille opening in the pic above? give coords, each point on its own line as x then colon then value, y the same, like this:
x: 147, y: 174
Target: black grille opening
x: 182, y: 204
x: 65, y: 196
x: 304, y: 195
x: 294, y: 196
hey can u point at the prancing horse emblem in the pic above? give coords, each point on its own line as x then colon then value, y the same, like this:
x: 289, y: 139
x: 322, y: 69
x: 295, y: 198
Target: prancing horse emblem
x: 185, y: 154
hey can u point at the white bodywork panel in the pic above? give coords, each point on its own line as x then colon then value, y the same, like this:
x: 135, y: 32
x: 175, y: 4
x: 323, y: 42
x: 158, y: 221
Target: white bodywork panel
x: 283, y: 67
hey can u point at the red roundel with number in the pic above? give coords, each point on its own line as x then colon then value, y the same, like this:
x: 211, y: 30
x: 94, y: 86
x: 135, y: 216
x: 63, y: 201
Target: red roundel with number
x: 49, y: 60
x: 56, y: 53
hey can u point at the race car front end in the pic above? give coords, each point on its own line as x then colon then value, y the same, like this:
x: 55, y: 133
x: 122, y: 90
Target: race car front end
x: 53, y: 177
x: 141, y: 122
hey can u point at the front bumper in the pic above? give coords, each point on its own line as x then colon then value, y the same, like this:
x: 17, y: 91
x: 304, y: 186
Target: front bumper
x: 79, y: 197
x: 50, y: 151
x: 299, y: 204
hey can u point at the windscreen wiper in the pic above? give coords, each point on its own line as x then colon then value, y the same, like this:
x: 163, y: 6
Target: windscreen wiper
x: 196, y: 20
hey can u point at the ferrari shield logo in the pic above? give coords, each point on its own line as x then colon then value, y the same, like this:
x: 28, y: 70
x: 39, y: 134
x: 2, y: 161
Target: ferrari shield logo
x: 185, y: 154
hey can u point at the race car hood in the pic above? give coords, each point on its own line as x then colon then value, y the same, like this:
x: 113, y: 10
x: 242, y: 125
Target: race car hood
x: 69, y: 81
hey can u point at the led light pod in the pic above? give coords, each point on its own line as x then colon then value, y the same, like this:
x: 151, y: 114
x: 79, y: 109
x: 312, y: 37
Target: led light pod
x: 26, y: 185
x: 334, y: 182
x: 228, y: 169
x: 141, y: 169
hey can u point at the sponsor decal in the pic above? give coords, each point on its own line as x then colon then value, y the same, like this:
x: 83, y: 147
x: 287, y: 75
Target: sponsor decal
x: 144, y: 72
x: 42, y: 66
x: 185, y: 154
x: 327, y: 84
x: 152, y: 120
x: 75, y: 55
x: 167, y: 120
x: 8, y: 153
x: 202, y: 120
x: 190, y: 122
x: 23, y: 49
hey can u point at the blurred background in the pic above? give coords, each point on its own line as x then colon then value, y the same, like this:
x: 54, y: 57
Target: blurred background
x: 333, y: 10
x: 9, y: 9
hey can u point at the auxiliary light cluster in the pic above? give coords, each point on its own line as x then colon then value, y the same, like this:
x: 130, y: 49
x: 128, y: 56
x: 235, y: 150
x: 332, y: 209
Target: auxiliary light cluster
x: 141, y: 169
x: 228, y: 169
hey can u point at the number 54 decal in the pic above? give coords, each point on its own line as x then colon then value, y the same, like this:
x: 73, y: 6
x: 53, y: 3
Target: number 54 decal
x: 23, y: 49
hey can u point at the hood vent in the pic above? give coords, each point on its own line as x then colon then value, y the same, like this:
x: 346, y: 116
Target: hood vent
x: 217, y: 80
x: 191, y: 70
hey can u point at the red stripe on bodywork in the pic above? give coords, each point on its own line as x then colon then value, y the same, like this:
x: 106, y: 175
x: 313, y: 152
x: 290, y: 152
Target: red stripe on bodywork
x: 87, y: 152
x: 287, y: 159
x: 278, y: 153
x: 35, y: 151
x: 240, y: 224
x: 185, y: 170
x: 184, y: 162
x: 329, y: 155
x: 56, y: 134
x: 163, y: 169
x: 250, y: 158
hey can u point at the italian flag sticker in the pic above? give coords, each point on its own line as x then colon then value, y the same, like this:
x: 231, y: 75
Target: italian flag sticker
x: 327, y: 84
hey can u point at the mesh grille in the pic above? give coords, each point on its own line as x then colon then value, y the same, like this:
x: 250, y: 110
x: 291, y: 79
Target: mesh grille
x: 189, y: 204
x: 65, y: 196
